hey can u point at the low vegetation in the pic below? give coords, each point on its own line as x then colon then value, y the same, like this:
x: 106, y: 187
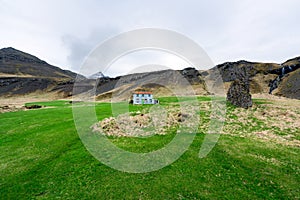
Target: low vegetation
x: 256, y: 157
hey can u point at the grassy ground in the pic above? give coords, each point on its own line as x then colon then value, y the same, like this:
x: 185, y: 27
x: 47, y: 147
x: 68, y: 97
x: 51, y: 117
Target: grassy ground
x: 42, y: 157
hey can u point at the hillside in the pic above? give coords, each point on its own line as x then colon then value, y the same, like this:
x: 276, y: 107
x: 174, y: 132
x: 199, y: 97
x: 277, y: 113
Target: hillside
x: 18, y: 63
x: 262, y: 75
x: 22, y: 74
x: 290, y: 86
x: 161, y: 83
x: 258, y: 72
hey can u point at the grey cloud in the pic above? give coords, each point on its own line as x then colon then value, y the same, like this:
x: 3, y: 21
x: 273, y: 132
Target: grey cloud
x: 79, y: 48
x: 228, y: 30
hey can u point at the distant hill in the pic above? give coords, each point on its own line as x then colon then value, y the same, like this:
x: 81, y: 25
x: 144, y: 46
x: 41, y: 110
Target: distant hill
x: 160, y: 83
x: 261, y: 76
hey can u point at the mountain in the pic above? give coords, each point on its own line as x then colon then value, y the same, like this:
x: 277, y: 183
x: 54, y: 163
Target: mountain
x: 285, y: 76
x: 15, y: 62
x: 290, y: 82
x: 22, y: 73
x: 161, y: 83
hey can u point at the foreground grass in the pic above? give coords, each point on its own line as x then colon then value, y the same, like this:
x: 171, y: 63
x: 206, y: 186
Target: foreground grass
x: 42, y: 157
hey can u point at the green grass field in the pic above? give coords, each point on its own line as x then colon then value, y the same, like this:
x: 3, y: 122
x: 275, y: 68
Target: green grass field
x: 42, y: 157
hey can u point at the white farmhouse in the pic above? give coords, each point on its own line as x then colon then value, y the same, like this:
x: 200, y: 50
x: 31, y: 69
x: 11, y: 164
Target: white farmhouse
x: 144, y: 98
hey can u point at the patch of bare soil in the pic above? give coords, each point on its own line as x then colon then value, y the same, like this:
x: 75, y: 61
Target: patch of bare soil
x: 7, y: 108
x: 273, y: 120
x: 156, y: 121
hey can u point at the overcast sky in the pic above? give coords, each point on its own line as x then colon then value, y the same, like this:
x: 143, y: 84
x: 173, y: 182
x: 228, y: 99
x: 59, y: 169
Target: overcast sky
x: 63, y: 32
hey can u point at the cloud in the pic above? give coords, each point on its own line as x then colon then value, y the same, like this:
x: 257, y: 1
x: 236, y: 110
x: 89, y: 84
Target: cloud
x: 259, y: 31
x: 79, y: 48
x: 64, y: 32
x: 145, y: 60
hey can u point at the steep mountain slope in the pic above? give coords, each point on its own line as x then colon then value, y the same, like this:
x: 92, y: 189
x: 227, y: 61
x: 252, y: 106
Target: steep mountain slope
x: 290, y: 84
x: 15, y: 62
x: 22, y: 73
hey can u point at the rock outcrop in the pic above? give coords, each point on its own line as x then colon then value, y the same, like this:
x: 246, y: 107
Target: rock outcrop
x: 283, y: 73
x: 280, y: 79
x: 239, y: 91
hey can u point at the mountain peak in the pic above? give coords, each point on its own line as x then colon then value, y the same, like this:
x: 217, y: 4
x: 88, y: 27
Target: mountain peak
x: 97, y: 75
x: 11, y: 54
x: 8, y: 49
x: 14, y: 62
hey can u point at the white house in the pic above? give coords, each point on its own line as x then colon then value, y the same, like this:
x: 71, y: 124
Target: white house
x: 144, y: 98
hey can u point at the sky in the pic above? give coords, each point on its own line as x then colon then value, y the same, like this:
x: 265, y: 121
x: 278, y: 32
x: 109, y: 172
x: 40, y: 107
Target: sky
x: 64, y: 32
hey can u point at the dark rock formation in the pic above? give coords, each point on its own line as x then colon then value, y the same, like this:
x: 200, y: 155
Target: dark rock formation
x: 290, y: 85
x: 33, y: 106
x: 239, y: 92
x: 192, y: 75
x: 281, y: 72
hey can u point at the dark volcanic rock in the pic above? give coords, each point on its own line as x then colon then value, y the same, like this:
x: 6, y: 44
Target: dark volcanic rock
x: 238, y: 94
x: 290, y: 85
x: 239, y: 91
x: 231, y: 71
x: 282, y: 73
x: 192, y: 75
x: 33, y: 106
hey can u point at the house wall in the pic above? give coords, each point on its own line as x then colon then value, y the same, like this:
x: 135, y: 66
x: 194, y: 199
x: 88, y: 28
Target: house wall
x: 143, y: 99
